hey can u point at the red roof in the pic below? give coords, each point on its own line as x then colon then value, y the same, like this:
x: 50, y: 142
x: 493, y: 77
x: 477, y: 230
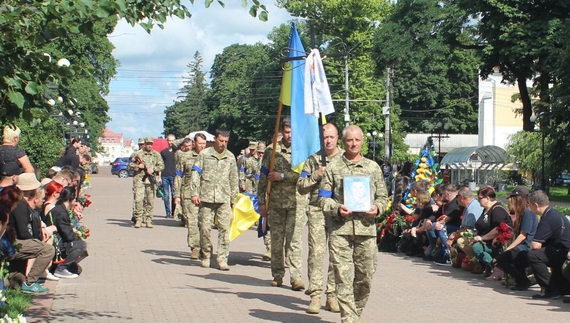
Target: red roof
x: 159, y: 144
x: 107, y: 133
x: 128, y: 142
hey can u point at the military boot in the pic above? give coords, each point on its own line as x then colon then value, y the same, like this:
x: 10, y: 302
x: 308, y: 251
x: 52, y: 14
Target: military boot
x: 315, y: 305
x: 195, y: 253
x: 297, y: 285
x: 148, y: 222
x: 137, y: 223
x: 267, y: 254
x: 206, y: 262
x: 332, y: 304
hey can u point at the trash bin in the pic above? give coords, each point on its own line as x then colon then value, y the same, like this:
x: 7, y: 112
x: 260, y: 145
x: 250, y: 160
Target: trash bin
x: 472, y: 186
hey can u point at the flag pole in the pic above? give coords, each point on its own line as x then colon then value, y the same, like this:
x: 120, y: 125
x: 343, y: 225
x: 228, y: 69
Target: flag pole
x: 272, y: 161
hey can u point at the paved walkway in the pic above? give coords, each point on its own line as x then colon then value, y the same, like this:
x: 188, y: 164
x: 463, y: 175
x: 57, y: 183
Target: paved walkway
x: 145, y: 275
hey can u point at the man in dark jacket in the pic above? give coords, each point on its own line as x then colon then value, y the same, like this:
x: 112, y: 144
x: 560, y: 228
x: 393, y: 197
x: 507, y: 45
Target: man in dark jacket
x: 549, y: 247
x: 28, y: 230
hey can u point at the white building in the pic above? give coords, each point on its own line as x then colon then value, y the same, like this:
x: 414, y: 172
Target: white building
x: 114, y: 146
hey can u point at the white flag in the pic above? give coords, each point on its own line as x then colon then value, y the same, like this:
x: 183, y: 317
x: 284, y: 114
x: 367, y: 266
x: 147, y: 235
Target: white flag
x: 317, y: 93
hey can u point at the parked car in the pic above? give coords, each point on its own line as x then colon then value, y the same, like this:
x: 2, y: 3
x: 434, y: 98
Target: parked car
x: 120, y: 167
x: 562, y: 179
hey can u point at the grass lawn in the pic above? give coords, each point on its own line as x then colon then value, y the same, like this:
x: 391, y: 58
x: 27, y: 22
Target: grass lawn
x: 557, y: 194
x: 17, y: 303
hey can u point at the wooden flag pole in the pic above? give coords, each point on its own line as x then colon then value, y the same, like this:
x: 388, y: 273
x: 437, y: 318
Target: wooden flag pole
x: 272, y: 162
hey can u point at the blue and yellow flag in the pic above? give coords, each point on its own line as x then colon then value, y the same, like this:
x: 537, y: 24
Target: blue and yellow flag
x: 245, y: 214
x: 304, y: 127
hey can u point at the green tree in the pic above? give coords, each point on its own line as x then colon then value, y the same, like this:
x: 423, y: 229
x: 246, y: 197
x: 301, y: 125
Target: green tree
x: 525, y: 151
x: 42, y: 143
x: 432, y: 80
x: 28, y: 76
x: 348, y: 26
x: 189, y: 113
x: 237, y: 100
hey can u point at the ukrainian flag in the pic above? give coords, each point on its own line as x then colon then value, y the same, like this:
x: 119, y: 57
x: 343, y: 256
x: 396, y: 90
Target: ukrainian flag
x: 304, y: 127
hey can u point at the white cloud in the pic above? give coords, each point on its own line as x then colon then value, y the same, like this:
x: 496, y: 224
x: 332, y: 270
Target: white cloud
x: 152, y: 66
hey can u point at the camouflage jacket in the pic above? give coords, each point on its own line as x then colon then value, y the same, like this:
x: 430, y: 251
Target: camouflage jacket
x: 331, y: 195
x: 251, y: 174
x: 180, y: 158
x: 309, y: 181
x: 214, y: 177
x: 151, y: 159
x: 284, y: 193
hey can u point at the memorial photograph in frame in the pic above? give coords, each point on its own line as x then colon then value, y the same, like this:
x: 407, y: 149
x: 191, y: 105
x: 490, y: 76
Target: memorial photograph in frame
x: 357, y: 193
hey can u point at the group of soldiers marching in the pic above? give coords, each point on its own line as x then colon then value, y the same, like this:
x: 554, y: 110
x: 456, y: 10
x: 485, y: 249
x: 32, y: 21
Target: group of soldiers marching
x: 209, y: 179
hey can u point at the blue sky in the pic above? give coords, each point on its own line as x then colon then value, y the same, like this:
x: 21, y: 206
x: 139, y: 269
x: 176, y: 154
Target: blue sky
x: 152, y: 66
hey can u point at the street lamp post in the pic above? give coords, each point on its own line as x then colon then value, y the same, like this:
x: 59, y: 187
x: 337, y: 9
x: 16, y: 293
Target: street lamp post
x: 374, y: 135
x: 440, y: 129
x: 542, y: 182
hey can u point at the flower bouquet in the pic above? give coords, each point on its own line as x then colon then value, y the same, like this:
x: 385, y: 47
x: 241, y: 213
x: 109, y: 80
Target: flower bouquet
x: 505, y: 235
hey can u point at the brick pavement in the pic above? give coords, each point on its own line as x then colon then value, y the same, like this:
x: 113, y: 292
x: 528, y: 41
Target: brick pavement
x: 145, y: 275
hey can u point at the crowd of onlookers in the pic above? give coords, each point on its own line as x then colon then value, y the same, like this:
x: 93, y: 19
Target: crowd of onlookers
x: 42, y: 237
x: 526, y: 241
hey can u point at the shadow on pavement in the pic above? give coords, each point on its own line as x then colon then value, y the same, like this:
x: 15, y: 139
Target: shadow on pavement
x: 286, y: 316
x: 121, y: 222
x: 233, y: 279
x: 478, y: 280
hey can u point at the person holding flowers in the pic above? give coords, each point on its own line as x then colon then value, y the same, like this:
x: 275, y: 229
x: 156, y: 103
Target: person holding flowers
x: 493, y: 215
x: 514, y: 259
x: 74, y: 247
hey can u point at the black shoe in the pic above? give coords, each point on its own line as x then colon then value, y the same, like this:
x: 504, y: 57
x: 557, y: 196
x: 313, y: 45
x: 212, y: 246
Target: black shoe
x: 546, y: 296
x: 428, y: 258
x: 488, y: 271
x: 522, y: 286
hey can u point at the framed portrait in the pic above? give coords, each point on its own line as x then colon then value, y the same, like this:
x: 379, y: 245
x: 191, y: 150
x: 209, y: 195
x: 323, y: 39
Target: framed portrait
x: 357, y: 193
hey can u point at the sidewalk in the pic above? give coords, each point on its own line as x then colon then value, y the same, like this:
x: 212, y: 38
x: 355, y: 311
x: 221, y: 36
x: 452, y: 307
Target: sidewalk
x: 145, y: 275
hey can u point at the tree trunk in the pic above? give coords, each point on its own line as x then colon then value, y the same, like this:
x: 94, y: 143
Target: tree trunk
x: 527, y: 104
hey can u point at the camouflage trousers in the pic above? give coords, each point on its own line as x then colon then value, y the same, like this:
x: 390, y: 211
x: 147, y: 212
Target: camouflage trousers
x: 190, y: 213
x: 354, y: 261
x: 144, y: 202
x: 208, y: 211
x: 286, y: 235
x: 267, y: 240
x: 317, y: 250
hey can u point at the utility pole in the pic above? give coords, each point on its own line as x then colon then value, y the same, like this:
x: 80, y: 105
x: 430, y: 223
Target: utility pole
x: 347, y: 99
x: 387, y: 125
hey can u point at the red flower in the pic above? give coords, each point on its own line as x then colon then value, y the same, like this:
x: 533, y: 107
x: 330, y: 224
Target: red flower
x: 87, y: 203
x: 466, y: 260
x: 441, y: 218
x: 503, y: 228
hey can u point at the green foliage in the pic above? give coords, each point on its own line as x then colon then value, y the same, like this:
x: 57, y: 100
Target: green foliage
x: 42, y: 142
x: 563, y: 209
x: 28, y: 76
x: 189, y: 114
x: 524, y: 149
x: 245, y: 90
x: 432, y: 80
x: 17, y: 303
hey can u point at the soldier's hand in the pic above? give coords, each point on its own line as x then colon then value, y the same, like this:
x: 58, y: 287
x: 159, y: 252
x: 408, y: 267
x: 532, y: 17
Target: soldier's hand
x: 373, y: 211
x: 262, y: 210
x: 177, y: 200
x: 344, y: 211
x: 321, y: 171
x: 150, y: 170
x: 195, y: 200
x: 242, y: 187
x: 140, y: 166
x: 274, y: 177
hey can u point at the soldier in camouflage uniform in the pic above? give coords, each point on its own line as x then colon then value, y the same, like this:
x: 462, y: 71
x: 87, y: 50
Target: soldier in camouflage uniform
x: 286, y: 215
x: 191, y: 210
x: 144, y: 195
x: 136, y: 184
x: 352, y: 241
x: 250, y: 163
x: 180, y: 156
x: 309, y: 183
x: 214, y: 188
x: 247, y: 153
